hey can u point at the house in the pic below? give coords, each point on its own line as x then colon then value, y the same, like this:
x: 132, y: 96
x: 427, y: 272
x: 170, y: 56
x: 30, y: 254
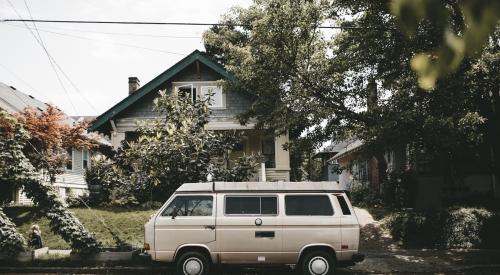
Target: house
x: 196, y: 74
x: 72, y: 181
x: 432, y: 187
x: 329, y: 166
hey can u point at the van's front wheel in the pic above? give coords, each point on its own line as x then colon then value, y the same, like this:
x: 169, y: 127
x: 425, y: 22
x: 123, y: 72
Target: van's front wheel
x: 193, y: 263
x: 318, y: 263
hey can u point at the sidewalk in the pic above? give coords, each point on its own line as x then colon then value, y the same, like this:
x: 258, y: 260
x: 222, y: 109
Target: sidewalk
x: 385, y: 256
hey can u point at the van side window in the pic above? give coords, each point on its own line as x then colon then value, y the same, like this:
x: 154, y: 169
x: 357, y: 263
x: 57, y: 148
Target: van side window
x: 343, y: 205
x: 251, y: 205
x: 190, y: 206
x: 308, y: 205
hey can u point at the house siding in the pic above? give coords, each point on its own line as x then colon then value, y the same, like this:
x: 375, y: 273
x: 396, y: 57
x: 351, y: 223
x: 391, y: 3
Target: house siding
x: 236, y: 103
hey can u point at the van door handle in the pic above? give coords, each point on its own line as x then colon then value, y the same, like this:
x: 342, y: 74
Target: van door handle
x: 264, y: 234
x: 211, y: 227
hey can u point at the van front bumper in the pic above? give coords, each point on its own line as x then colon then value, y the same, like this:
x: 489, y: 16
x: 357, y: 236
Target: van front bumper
x: 358, y: 257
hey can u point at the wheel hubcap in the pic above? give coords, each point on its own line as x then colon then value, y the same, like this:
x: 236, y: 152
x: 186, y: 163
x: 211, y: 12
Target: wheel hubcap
x: 193, y: 266
x: 318, y: 266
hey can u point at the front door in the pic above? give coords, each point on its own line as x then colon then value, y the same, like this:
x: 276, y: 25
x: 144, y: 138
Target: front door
x: 188, y: 219
x: 249, y: 229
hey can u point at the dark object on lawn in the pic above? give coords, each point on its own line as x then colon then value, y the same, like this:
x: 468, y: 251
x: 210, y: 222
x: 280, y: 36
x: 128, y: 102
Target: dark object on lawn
x: 36, y: 237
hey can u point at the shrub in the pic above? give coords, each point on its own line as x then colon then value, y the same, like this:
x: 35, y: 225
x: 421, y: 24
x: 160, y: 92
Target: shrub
x: 462, y: 227
x: 11, y: 242
x: 412, y: 229
x: 449, y: 228
x: 362, y: 196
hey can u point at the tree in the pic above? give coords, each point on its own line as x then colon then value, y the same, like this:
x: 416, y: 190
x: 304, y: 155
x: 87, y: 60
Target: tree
x: 356, y: 83
x: 17, y: 171
x: 176, y: 148
x: 478, y: 20
x: 51, y: 137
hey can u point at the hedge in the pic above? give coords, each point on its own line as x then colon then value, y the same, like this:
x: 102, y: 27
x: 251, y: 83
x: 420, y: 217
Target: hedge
x: 449, y: 228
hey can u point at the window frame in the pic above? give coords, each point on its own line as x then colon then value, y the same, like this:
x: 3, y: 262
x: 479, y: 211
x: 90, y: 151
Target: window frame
x: 222, y: 101
x: 72, y: 160
x: 198, y: 85
x: 309, y: 195
x: 339, y: 198
x: 260, y: 204
x: 189, y: 195
x: 83, y: 159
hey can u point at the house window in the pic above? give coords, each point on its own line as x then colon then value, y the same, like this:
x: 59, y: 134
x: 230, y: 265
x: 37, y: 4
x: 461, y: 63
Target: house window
x: 85, y: 159
x: 187, y: 91
x: 131, y: 136
x: 215, y: 93
x: 69, y: 159
x: 269, y: 151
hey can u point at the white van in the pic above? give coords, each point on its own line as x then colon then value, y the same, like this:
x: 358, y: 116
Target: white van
x: 310, y: 225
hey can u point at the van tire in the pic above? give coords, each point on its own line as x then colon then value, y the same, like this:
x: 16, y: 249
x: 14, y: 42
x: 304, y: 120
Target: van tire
x: 317, y: 262
x: 193, y: 261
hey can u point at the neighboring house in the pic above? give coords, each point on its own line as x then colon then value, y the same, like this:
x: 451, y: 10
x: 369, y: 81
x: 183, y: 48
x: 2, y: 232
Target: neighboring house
x: 196, y: 75
x: 72, y: 181
x: 328, y: 166
x: 432, y: 186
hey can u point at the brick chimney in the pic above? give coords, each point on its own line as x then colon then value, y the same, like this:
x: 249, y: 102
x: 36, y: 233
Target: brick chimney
x: 133, y: 84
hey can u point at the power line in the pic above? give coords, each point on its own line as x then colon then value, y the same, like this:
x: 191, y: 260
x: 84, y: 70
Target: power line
x: 47, y: 54
x: 158, y: 23
x: 79, y: 92
x: 103, y: 41
x: 124, y: 34
x: 18, y: 77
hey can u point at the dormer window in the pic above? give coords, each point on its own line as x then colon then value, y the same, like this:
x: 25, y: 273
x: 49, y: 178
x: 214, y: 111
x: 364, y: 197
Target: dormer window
x: 216, y: 100
x: 187, y: 91
x: 197, y: 90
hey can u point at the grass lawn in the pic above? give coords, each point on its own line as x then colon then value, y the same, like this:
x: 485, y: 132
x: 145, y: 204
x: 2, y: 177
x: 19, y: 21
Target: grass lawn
x: 128, y: 224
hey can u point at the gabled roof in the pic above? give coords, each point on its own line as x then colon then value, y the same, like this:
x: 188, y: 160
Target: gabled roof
x: 13, y: 100
x: 350, y: 147
x: 153, y: 85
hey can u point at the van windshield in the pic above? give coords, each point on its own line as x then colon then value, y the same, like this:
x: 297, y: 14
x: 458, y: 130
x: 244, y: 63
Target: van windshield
x: 190, y: 206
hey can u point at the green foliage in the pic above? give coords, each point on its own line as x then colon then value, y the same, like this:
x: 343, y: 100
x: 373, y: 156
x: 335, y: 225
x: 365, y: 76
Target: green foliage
x: 176, y: 148
x: 11, y: 242
x: 62, y: 221
x: 362, y: 196
x: 107, y: 183
x: 450, y: 228
x: 399, y: 189
x: 316, y: 85
x: 459, y: 39
x: 462, y: 227
x: 16, y: 170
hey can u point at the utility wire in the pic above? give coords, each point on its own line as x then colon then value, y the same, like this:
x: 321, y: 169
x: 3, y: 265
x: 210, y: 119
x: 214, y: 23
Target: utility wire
x: 159, y: 23
x: 47, y: 53
x: 103, y: 41
x: 123, y: 33
x: 18, y: 77
x: 79, y: 92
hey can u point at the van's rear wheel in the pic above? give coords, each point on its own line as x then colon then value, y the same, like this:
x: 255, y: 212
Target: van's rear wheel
x: 318, y: 263
x: 193, y: 263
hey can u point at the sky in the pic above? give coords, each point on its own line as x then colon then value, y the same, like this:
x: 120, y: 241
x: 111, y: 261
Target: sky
x: 98, y: 59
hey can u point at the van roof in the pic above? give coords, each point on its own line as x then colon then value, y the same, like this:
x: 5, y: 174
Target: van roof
x: 323, y: 186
